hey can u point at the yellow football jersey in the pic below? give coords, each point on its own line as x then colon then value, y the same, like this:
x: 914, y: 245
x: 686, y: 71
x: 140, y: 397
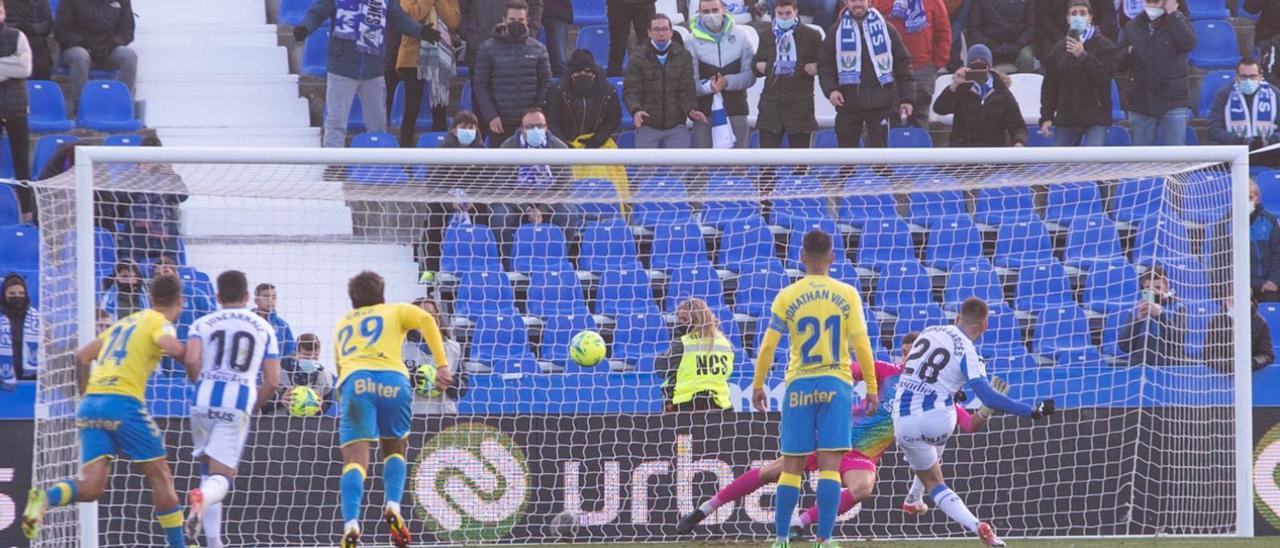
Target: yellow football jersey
x: 130, y: 352
x: 823, y: 316
x: 371, y: 338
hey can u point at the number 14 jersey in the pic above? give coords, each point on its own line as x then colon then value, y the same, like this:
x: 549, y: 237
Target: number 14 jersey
x: 233, y: 344
x: 940, y: 363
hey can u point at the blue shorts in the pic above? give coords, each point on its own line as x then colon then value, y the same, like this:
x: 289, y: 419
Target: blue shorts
x: 112, y: 425
x: 817, y: 415
x: 373, y: 405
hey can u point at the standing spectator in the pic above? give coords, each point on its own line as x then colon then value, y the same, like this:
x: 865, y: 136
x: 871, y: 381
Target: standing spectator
x: 1244, y: 113
x: 1219, y: 344
x: 986, y: 113
x: 265, y: 299
x: 865, y: 71
x: 1075, y: 97
x: 465, y: 132
x: 97, y: 34
x: 512, y: 74
x: 583, y: 108
x: 722, y: 58
x: 1007, y: 27
x: 19, y: 333
x: 623, y: 17
x: 357, y: 45
x: 416, y: 353
x: 788, y: 61
x: 822, y: 11
x: 926, y: 31
x: 1268, y: 25
x: 124, y: 292
x: 35, y: 20
x: 481, y: 17
x: 424, y: 66
x: 306, y: 369
x: 1054, y: 22
x: 659, y: 89
x: 697, y: 367
x: 557, y: 18
x: 1154, y: 51
x: 1264, y: 248
x: 15, y: 67
x: 1155, y: 331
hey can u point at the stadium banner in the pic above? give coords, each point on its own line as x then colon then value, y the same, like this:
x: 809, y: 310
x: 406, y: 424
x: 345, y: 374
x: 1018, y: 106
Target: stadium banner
x: 15, y: 478
x: 1266, y: 470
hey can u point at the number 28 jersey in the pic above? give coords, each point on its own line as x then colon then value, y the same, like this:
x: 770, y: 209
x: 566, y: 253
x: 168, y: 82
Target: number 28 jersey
x: 939, y: 364
x: 233, y: 342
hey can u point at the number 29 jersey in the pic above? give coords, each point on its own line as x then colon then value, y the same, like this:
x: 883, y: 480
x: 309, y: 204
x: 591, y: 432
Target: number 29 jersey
x: 233, y: 344
x: 371, y: 338
x: 941, y: 361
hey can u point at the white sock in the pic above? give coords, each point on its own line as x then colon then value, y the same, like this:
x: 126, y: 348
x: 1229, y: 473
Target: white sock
x: 916, y: 492
x: 707, y: 508
x: 353, y: 524
x: 392, y: 506
x: 950, y: 502
x: 212, y: 524
x: 215, y: 488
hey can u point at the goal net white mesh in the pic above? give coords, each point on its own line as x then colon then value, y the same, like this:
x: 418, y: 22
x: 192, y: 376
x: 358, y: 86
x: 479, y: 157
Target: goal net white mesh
x: 1109, y: 285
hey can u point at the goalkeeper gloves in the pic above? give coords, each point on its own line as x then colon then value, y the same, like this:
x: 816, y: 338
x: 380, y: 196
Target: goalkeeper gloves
x: 1000, y: 386
x: 1042, y: 409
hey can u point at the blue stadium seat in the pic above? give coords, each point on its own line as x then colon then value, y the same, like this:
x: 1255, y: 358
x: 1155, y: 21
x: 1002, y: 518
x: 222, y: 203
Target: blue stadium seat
x: 857, y: 208
x: 1214, y: 82
x: 590, y: 12
x: 1205, y: 198
x: 626, y: 139
x: 554, y: 293
x: 900, y: 285
x: 952, y: 241
x: 1216, y: 46
x: 484, y: 292
x: 607, y: 246
x: 47, y: 108
x: 1135, y: 199
x: 540, y: 247
x: 315, y: 53
x: 885, y: 241
x: 46, y: 147
x: 996, y: 206
x: 502, y: 342
x: 1068, y: 201
x: 676, y: 245
x: 1062, y: 333
x: 1158, y: 238
x: 595, y: 39
x: 795, y: 241
x: 1190, y: 137
x: 1188, y: 278
x: 1271, y: 313
x: 756, y: 290
x: 639, y: 336
x: 105, y: 256
x: 1037, y: 139
x: 19, y: 248
x: 916, y: 319
x: 909, y: 137
x: 122, y: 140
x: 825, y: 139
x: 1269, y: 185
x: 844, y: 271
x: 1208, y: 9
x: 10, y: 211
x: 694, y: 281
x: 376, y: 174
x: 431, y: 139
x: 973, y: 278
x: 930, y: 207
x: 627, y: 120
x: 398, y: 107
x: 107, y: 105
x: 292, y: 11
x: 1117, y: 110
x: 655, y: 202
x: 717, y: 213
x: 623, y: 291
x: 557, y: 337
x: 746, y: 244
x: 798, y: 200
x: 1003, y: 338
x: 602, y: 196
x: 1042, y: 286
x: 469, y: 248
x: 467, y: 97
x: 1092, y: 241
x: 780, y: 354
x: 1111, y: 289
x: 1118, y: 137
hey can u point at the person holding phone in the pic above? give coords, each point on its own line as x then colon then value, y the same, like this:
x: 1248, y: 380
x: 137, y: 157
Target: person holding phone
x: 1155, y: 331
x: 1154, y: 51
x: 1075, y: 98
x: 986, y: 112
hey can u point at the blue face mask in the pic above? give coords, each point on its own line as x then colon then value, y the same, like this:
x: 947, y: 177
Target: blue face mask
x: 1250, y: 87
x: 466, y: 136
x: 535, y: 136
x: 786, y: 24
x: 1078, y: 22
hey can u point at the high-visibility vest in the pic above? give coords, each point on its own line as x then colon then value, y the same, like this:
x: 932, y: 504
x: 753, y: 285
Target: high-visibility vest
x: 704, y: 367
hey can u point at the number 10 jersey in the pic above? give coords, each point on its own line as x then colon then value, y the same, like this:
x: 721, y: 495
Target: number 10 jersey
x: 940, y: 363
x: 234, y: 342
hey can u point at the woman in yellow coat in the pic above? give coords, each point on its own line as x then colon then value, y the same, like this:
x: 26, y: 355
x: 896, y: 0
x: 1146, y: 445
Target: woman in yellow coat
x: 425, y: 67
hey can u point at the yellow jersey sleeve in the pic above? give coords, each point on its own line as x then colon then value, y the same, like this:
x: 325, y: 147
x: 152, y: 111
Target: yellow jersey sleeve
x: 415, y: 318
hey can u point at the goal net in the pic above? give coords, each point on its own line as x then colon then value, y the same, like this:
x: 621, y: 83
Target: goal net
x: 1109, y: 279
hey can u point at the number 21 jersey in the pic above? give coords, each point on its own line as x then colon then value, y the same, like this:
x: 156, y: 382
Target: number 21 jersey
x: 939, y: 364
x: 233, y: 344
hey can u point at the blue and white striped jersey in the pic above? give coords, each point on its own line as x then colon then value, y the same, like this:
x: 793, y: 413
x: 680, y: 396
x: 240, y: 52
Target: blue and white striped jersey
x: 234, y: 343
x: 940, y: 363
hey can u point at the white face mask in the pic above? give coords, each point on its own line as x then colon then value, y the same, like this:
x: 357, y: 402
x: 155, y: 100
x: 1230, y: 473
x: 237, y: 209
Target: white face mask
x: 535, y: 136
x: 713, y: 20
x: 1153, y: 13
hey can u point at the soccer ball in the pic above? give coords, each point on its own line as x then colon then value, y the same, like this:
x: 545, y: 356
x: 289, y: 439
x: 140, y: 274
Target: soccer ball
x: 304, y: 402
x: 587, y: 348
x: 566, y: 524
x: 425, y: 380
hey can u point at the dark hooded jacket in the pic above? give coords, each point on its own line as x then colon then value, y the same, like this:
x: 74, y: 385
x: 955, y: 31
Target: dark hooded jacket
x: 19, y: 331
x: 572, y: 113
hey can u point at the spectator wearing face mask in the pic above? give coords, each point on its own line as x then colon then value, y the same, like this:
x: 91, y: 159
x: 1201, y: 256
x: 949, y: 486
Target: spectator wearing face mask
x: 19, y: 333
x: 722, y: 57
x: 305, y: 369
x: 533, y: 133
x: 1264, y: 249
x: 512, y: 74
x: 865, y: 71
x: 986, y: 113
x: 1075, y: 98
x: 124, y: 292
x: 1155, y: 332
x: 583, y: 110
x: 926, y: 31
x: 659, y: 89
x: 1053, y: 22
x: 788, y: 62
x: 1244, y: 113
x: 1154, y: 51
x: 481, y: 17
x: 464, y: 133
x: 416, y: 353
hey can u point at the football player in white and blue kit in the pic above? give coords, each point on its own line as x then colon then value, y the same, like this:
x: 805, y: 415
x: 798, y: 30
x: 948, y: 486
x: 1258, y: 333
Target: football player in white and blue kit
x: 942, y: 361
x: 226, y: 351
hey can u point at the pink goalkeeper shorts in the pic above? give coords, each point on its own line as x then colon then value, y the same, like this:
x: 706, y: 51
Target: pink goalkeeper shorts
x: 853, y: 460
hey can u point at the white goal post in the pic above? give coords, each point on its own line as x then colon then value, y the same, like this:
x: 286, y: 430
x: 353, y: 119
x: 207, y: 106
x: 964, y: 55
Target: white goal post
x: 970, y: 169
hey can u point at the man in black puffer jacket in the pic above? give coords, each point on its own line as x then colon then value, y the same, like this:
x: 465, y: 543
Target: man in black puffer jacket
x: 512, y: 74
x: 583, y: 108
x: 1075, y: 97
x: 1154, y: 51
x: 95, y: 33
x: 986, y: 113
x: 34, y: 19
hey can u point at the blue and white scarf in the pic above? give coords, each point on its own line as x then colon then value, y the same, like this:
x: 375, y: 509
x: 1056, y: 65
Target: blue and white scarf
x: 363, y: 21
x: 784, y: 63
x: 1088, y: 33
x: 1260, y: 122
x: 912, y: 14
x: 984, y: 89
x: 872, y: 31
x: 721, y: 132
x: 1132, y: 8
